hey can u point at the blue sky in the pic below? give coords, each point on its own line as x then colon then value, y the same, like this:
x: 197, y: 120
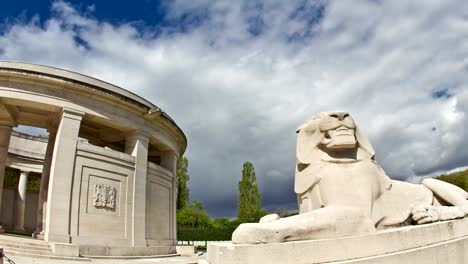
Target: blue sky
x: 146, y: 11
x: 240, y: 76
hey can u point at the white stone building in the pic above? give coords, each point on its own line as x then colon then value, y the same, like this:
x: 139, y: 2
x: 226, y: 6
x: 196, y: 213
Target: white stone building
x: 108, y: 167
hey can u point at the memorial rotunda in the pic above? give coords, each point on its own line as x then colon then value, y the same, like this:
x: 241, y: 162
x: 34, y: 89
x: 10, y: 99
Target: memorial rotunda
x: 106, y: 172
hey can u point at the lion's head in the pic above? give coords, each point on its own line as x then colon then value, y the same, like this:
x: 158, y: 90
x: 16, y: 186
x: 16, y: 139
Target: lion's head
x: 328, y: 136
x: 330, y: 132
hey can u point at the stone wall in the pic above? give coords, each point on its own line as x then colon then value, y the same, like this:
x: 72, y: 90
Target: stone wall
x: 159, y: 206
x: 25, y: 145
x: 102, y: 197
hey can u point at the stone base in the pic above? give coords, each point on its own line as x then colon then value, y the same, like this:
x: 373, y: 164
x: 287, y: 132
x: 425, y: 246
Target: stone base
x: 69, y: 250
x: 187, y: 250
x: 437, y: 243
x: 91, y: 251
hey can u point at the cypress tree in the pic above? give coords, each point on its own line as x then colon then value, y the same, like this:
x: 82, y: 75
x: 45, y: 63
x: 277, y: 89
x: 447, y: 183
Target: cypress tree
x: 182, y: 184
x: 249, y: 204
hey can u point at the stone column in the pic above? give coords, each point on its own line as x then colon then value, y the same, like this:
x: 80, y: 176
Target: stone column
x: 137, y: 145
x: 42, y: 198
x: 5, y: 134
x: 20, y: 203
x: 57, y: 228
x: 169, y: 161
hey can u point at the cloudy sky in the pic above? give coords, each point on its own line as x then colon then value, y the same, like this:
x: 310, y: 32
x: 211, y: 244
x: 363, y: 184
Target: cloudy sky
x: 240, y: 76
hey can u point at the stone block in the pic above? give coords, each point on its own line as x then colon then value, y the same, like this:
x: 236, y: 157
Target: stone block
x: 62, y: 249
x: 187, y: 250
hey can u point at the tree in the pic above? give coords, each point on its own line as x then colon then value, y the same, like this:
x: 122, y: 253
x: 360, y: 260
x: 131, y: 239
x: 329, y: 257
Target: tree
x: 459, y: 179
x: 194, y: 215
x: 221, y: 222
x: 196, y: 206
x: 182, y: 185
x: 249, y: 204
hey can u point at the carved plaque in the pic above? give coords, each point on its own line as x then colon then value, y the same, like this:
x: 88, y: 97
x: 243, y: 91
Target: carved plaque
x: 104, y: 196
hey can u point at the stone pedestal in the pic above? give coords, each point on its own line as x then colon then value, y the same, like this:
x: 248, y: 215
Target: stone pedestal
x: 20, y: 203
x: 437, y: 243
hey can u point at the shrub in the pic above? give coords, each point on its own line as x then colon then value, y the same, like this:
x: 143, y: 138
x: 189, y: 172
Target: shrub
x: 198, y: 234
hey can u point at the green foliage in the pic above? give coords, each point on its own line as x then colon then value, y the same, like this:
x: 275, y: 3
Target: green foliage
x: 34, y: 183
x: 235, y: 223
x: 11, y: 178
x: 220, y: 230
x: 260, y: 213
x: 196, y: 205
x: 459, y: 179
x: 196, y: 234
x: 249, y: 204
x: 221, y: 223
x: 182, y: 185
x: 193, y: 215
x: 224, y: 223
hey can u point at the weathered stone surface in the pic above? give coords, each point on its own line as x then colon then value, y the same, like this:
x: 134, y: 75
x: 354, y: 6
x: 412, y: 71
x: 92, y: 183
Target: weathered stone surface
x: 435, y: 243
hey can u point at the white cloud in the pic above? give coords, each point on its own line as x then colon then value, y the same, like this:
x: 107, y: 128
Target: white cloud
x: 243, y: 76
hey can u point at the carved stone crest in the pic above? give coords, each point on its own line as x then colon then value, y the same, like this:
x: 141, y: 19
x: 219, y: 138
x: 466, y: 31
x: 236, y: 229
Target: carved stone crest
x: 104, y: 196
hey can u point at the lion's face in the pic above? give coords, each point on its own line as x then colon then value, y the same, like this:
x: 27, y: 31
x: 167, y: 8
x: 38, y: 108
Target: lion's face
x: 333, y: 131
x: 338, y: 131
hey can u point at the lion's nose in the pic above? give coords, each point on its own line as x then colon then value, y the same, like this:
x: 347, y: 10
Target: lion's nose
x: 339, y: 115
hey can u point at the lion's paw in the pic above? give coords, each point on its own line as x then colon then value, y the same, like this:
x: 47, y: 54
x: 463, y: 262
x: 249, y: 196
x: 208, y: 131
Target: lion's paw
x: 451, y: 212
x: 269, y: 218
x: 424, y: 214
x: 252, y: 233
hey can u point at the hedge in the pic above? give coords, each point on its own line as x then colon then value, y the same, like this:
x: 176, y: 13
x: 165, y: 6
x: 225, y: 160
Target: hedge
x: 212, y: 234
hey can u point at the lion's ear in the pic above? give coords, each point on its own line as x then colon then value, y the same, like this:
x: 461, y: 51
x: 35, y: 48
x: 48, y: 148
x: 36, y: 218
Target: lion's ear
x: 306, y: 148
x: 365, y: 149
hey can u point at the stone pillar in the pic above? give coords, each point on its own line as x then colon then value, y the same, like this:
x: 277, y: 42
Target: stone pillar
x: 5, y: 135
x: 20, y: 203
x: 137, y: 145
x: 57, y: 228
x: 169, y: 161
x: 42, y: 198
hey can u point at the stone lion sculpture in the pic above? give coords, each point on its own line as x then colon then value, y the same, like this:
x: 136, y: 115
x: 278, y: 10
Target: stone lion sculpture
x: 342, y: 191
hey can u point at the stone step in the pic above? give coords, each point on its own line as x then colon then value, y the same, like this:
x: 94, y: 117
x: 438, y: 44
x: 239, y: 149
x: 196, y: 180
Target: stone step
x: 11, y: 254
x: 25, y: 246
x: 14, y: 245
x: 12, y: 239
x: 28, y: 250
x: 132, y: 257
